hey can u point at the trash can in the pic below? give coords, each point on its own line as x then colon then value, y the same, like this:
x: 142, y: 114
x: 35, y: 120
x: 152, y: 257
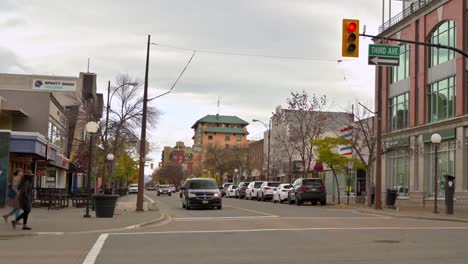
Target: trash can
x: 105, y: 204
x: 391, y: 198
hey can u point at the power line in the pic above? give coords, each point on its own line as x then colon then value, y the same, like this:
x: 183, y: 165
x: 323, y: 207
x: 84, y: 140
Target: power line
x: 246, y: 54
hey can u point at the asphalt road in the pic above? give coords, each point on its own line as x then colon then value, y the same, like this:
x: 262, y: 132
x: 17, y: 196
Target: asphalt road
x: 253, y: 232
x: 264, y: 232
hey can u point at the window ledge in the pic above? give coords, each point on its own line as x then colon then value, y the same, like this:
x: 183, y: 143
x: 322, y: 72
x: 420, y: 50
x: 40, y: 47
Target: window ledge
x: 403, y: 198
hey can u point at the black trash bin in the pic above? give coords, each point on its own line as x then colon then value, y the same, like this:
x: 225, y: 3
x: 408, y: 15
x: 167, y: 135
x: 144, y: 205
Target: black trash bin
x: 391, y: 197
x: 105, y: 204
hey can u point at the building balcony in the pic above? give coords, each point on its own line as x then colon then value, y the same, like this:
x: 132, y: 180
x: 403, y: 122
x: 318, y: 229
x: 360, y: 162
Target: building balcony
x: 412, y: 9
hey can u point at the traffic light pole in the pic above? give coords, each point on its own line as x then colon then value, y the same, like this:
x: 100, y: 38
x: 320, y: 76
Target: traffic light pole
x: 465, y: 54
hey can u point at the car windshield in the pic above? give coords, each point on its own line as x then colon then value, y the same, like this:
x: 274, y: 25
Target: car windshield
x: 273, y: 184
x: 134, y: 185
x: 312, y: 182
x: 164, y: 186
x: 258, y: 184
x: 202, y: 185
x: 234, y: 187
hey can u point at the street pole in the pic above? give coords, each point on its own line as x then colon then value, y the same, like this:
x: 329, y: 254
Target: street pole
x: 436, y: 180
x: 378, y: 163
x: 268, y: 162
x: 141, y: 172
x: 106, y: 145
x: 88, y: 182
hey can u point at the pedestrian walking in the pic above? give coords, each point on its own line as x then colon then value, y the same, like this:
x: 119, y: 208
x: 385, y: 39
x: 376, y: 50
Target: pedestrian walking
x: 25, y: 200
x: 13, y: 194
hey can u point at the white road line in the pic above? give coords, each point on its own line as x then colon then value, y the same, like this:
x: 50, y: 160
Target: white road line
x: 151, y: 200
x: 194, y: 219
x: 294, y: 229
x: 181, y: 219
x: 94, y: 252
x: 50, y: 233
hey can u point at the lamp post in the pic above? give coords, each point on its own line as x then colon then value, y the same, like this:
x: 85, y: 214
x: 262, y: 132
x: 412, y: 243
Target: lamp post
x: 268, y: 153
x: 236, y: 171
x: 436, y: 139
x: 91, y: 127
x: 110, y: 157
x: 109, y: 100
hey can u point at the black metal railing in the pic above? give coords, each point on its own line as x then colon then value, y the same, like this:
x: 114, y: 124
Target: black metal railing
x: 405, y: 13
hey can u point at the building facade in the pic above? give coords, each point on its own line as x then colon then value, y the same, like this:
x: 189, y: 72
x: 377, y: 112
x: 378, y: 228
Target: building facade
x: 217, y: 131
x: 179, y: 154
x: 40, y: 116
x: 426, y: 94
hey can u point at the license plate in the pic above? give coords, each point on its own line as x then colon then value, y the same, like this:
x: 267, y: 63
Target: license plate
x: 204, y: 202
x: 314, y: 189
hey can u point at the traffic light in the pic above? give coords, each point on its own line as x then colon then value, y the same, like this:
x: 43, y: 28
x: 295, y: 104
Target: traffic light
x: 350, y: 41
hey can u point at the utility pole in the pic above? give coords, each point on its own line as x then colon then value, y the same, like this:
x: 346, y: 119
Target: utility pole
x: 268, y: 162
x: 106, y: 144
x: 378, y: 156
x: 141, y: 172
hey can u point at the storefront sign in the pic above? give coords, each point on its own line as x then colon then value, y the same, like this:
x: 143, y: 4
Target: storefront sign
x: 395, y: 143
x: 4, y: 162
x: 54, y: 85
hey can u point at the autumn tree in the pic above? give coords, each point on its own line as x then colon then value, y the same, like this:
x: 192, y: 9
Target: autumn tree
x: 171, y: 173
x: 327, y: 152
x: 304, y: 120
x: 219, y: 160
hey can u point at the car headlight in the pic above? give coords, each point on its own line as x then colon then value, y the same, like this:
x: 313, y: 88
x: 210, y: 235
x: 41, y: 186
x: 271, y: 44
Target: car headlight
x: 217, y: 194
x: 191, y: 195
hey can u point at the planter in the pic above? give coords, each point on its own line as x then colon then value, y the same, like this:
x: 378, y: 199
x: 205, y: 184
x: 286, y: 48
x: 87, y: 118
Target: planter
x: 105, y: 204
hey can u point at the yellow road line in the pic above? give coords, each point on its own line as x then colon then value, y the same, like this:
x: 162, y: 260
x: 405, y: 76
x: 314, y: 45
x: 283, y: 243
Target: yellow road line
x: 248, y: 210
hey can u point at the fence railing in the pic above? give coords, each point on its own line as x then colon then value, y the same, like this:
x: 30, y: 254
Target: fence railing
x: 405, y: 13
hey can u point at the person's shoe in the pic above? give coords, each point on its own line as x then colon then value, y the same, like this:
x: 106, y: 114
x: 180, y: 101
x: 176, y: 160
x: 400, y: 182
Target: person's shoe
x: 26, y: 228
x: 13, y: 223
x: 5, y: 217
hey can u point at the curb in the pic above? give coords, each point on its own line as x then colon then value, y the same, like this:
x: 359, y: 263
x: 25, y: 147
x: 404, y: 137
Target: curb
x: 414, y: 217
x: 162, y: 218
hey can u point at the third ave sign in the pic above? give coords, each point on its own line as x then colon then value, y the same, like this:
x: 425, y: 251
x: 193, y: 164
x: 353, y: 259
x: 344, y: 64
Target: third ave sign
x: 384, y: 55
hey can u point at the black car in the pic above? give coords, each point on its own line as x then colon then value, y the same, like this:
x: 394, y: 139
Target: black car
x: 312, y: 190
x: 201, y: 193
x: 240, y: 191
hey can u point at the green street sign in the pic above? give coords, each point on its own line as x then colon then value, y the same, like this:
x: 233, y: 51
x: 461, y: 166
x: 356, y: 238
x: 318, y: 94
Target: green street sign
x: 384, y: 55
x: 384, y: 51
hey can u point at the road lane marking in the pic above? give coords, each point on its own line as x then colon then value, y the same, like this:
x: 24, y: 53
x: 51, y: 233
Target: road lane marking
x: 151, y: 200
x: 249, y: 210
x: 226, y: 218
x: 296, y: 229
x: 214, y: 218
x: 94, y: 252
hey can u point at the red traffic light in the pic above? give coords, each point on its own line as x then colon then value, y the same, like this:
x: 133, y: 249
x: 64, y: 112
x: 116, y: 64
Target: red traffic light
x: 352, y: 27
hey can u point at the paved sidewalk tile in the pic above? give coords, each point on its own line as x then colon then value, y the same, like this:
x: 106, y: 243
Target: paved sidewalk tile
x: 71, y: 219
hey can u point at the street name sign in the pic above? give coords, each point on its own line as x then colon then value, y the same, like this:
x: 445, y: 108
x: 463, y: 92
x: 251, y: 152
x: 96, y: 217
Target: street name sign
x: 384, y: 55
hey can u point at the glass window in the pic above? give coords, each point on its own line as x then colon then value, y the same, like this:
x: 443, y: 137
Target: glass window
x: 210, y: 136
x: 399, y: 112
x: 239, y: 137
x: 441, y: 100
x: 398, y: 171
x: 446, y: 166
x: 445, y: 35
x: 402, y: 72
x: 228, y: 137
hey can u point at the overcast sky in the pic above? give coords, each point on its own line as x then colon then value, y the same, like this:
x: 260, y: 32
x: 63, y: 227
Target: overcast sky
x: 57, y: 37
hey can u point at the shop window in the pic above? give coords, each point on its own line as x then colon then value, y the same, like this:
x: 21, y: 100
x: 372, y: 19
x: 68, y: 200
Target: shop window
x: 446, y: 166
x: 228, y: 137
x: 398, y: 171
x: 239, y: 137
x: 441, y: 99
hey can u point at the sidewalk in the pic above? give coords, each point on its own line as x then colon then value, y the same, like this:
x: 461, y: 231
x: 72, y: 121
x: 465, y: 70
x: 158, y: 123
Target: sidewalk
x: 412, y: 213
x: 70, y: 220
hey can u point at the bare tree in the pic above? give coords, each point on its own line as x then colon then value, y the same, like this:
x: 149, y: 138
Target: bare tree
x: 284, y: 146
x: 171, y: 173
x: 219, y: 160
x: 304, y: 120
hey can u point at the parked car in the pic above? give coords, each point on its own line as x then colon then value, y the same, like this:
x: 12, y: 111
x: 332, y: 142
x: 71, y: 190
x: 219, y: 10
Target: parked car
x: 224, y: 188
x: 173, y: 188
x: 164, y: 189
x: 281, y: 193
x: 133, y: 188
x: 252, y: 190
x: 231, y: 191
x: 266, y: 191
x: 240, y: 191
x: 312, y: 190
x: 201, y: 192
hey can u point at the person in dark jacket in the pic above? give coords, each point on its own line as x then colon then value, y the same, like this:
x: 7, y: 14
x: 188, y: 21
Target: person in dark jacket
x: 25, y: 200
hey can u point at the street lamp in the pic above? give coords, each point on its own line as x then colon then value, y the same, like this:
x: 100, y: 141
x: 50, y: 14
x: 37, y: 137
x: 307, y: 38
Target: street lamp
x: 91, y: 127
x: 436, y: 139
x: 110, y: 158
x: 109, y: 100
x: 237, y: 176
x: 268, y: 153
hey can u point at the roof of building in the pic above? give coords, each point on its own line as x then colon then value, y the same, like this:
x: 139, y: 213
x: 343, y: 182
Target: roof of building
x: 220, y: 119
x: 226, y: 130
